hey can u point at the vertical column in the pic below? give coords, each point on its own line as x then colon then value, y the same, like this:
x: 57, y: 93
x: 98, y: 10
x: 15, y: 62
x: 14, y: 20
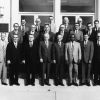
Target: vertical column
x: 57, y: 14
x: 97, y: 9
x: 15, y: 17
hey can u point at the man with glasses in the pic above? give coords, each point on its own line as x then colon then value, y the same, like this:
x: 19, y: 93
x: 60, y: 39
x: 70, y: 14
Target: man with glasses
x: 23, y: 28
x: 97, y: 60
x: 65, y: 35
x: 13, y: 58
x: 78, y: 33
x: 90, y: 31
x: 52, y: 25
x: 17, y: 32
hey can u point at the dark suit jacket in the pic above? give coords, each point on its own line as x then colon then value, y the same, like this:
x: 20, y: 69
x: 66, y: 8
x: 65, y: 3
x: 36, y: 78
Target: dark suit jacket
x: 14, y: 54
x: 41, y: 30
x: 30, y: 54
x: 23, y: 32
x: 69, y: 28
x: 25, y: 37
x: 87, y: 51
x: 52, y: 36
x: 78, y: 36
x: 59, y: 53
x: 11, y: 34
x: 94, y: 34
x: 65, y: 37
x: 83, y: 28
x: 46, y: 53
x: 96, y: 57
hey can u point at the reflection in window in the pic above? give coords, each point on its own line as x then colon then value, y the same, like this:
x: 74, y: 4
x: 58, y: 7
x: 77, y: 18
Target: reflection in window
x: 78, y: 6
x: 36, y: 5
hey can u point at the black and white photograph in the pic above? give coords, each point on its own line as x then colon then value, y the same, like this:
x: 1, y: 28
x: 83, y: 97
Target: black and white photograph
x: 49, y: 49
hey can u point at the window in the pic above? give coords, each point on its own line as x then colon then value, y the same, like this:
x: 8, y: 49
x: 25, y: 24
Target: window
x: 36, y: 5
x: 78, y: 6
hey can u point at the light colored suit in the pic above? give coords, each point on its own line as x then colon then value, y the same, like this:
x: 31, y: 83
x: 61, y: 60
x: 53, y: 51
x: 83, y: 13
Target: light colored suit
x: 73, y: 56
x: 3, y: 68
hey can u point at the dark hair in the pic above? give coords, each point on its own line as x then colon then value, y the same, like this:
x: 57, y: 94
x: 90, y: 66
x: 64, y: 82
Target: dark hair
x: 96, y: 21
x: 89, y: 23
x: 15, y: 23
x: 86, y: 34
x: 76, y: 23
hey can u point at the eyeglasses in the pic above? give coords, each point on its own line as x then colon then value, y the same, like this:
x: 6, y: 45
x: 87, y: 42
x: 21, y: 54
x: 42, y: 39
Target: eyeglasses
x: 16, y: 26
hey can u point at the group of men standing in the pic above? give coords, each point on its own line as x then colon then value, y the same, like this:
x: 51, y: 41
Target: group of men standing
x: 71, y: 53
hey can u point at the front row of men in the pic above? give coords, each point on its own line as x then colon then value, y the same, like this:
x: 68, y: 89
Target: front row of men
x: 69, y: 55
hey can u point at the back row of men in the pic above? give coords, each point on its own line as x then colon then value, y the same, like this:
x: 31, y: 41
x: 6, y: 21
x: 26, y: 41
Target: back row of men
x: 40, y: 49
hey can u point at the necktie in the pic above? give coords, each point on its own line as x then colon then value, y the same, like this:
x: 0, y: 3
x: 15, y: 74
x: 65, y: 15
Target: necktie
x: 76, y: 31
x: 31, y: 44
x: 15, y: 44
x: 46, y: 44
x: 72, y: 50
x: 59, y: 43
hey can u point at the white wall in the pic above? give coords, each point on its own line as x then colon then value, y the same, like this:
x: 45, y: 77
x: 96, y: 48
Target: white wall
x: 6, y: 5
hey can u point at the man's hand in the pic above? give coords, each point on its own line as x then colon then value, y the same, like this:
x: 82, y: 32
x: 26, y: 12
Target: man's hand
x: 8, y: 62
x: 41, y: 60
x: 54, y: 61
x: 23, y: 61
x: 90, y: 61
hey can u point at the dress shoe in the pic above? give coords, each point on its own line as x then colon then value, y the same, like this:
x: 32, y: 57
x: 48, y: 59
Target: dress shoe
x: 75, y: 84
x: 32, y: 84
x: 47, y: 83
x: 81, y: 84
x: 56, y: 83
x: 69, y: 84
x: 11, y: 84
x: 42, y: 83
x: 27, y: 84
x: 88, y: 84
x: 4, y: 84
x: 61, y: 83
x: 17, y: 84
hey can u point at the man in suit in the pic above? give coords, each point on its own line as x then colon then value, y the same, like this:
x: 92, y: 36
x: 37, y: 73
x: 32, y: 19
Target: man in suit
x: 52, y: 25
x: 78, y: 34
x: 59, y: 60
x: 23, y: 28
x: 95, y: 29
x: 82, y: 27
x: 73, y: 57
x: 87, y: 55
x: 96, y: 60
x: 89, y: 31
x: 3, y: 67
x: 45, y: 54
x: 68, y: 27
x: 30, y: 60
x: 47, y: 31
x: 32, y: 31
x: 15, y: 31
x: 39, y: 28
x: 64, y: 34
x: 13, y: 58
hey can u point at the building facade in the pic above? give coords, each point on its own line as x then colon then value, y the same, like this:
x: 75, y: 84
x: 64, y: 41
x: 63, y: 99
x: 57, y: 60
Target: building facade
x: 12, y: 11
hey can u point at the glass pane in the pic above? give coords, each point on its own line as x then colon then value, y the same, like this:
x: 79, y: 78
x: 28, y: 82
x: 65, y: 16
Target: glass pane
x: 78, y: 6
x: 29, y: 20
x: 36, y: 5
x: 44, y: 19
x: 87, y: 19
x: 71, y: 19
